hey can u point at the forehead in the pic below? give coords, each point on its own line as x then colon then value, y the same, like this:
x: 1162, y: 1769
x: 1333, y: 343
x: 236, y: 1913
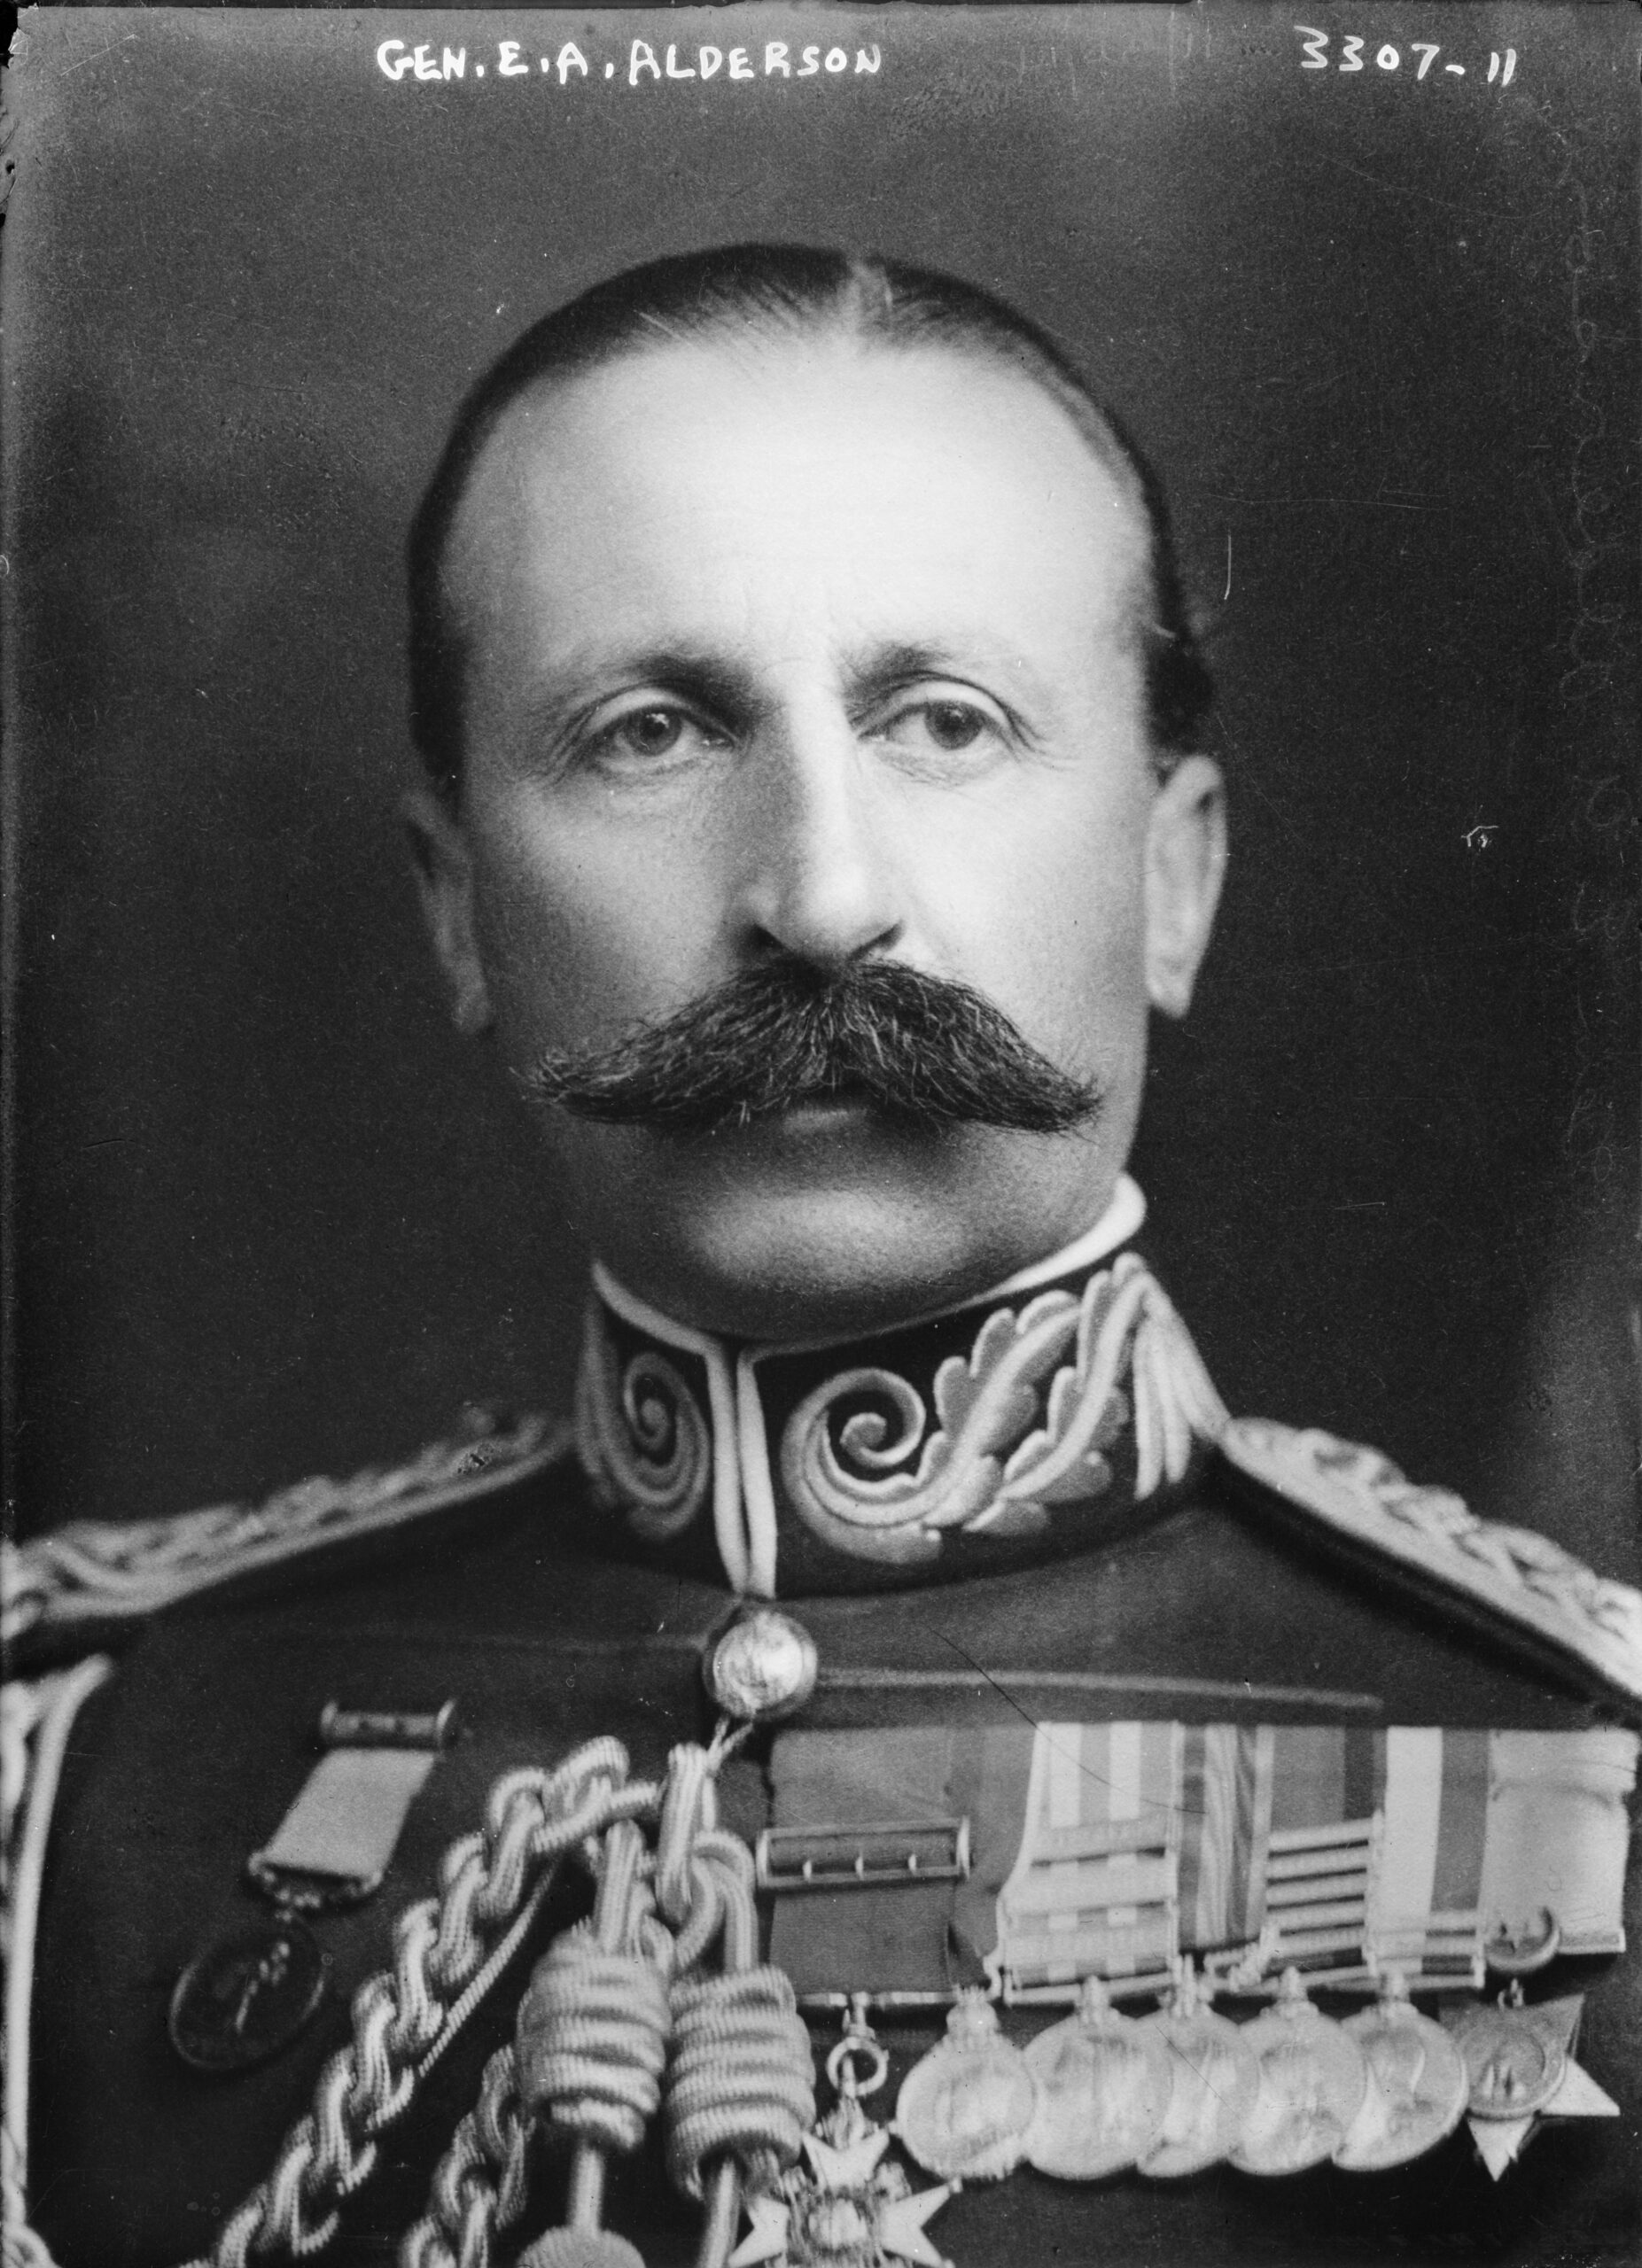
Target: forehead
x: 738, y: 487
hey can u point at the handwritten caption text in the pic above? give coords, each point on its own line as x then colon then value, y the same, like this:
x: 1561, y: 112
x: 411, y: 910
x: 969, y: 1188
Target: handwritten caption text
x: 641, y: 64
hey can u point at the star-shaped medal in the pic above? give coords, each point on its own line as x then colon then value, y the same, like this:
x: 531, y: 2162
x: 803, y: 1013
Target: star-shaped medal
x: 1520, y: 2062
x: 850, y: 2208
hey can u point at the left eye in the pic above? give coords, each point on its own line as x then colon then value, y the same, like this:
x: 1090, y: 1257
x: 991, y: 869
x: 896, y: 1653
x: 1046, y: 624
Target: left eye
x: 951, y: 727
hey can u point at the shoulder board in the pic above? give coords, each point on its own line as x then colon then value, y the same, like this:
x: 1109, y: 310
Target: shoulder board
x: 1509, y: 1575
x: 72, y: 1584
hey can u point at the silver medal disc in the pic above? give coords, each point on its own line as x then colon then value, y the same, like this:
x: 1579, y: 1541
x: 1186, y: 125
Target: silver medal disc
x: 1213, y: 2083
x: 1313, y: 2080
x: 1417, y: 2087
x: 964, y: 2111
x: 1103, y: 2087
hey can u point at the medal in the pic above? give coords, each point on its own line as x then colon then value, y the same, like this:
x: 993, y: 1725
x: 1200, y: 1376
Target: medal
x: 1214, y: 2080
x: 1519, y: 2068
x: 246, y: 1995
x: 1418, y: 2086
x: 1103, y: 2087
x: 252, y: 1989
x: 963, y: 2112
x: 1313, y: 2083
x: 1514, y: 2057
x: 850, y: 2206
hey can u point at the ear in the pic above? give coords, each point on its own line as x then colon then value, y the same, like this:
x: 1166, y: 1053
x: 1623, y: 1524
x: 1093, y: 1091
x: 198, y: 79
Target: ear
x: 1185, y: 867
x: 444, y: 871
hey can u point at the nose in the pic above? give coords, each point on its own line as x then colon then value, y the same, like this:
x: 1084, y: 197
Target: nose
x: 819, y: 875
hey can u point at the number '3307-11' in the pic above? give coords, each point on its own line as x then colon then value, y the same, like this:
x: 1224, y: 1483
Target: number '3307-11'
x: 1350, y: 57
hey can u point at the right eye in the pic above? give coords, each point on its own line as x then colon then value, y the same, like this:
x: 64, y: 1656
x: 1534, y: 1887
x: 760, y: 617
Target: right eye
x: 650, y: 734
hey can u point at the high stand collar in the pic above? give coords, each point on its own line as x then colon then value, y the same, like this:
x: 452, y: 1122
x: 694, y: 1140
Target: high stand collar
x: 1041, y: 1417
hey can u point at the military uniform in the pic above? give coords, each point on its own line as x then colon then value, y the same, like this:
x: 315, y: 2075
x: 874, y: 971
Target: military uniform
x: 1107, y: 1683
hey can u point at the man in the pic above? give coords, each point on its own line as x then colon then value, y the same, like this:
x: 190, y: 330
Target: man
x: 817, y: 811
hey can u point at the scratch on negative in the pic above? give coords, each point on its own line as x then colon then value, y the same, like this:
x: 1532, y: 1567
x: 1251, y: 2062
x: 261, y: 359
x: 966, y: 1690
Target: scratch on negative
x: 125, y: 39
x: 1037, y: 1723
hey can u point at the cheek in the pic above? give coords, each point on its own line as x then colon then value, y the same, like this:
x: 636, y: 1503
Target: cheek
x: 581, y: 930
x: 1048, y: 920
x: 1079, y: 967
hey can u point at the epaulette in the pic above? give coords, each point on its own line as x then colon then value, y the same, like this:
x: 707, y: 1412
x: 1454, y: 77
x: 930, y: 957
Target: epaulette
x: 1494, y: 1574
x: 82, y: 1582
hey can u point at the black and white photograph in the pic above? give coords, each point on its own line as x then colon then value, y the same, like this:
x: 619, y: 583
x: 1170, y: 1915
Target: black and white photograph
x: 821, y: 1137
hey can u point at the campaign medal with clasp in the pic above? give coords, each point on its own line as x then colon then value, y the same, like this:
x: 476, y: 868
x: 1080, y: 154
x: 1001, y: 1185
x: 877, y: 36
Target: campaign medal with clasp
x: 1215, y: 2080
x: 1103, y: 2087
x: 1417, y: 2083
x: 1312, y: 2082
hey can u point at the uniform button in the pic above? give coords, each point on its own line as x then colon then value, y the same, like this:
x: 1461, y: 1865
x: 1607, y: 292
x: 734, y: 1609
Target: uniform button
x: 762, y: 1666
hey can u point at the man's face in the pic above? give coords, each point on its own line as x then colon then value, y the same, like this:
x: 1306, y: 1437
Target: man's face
x: 823, y: 651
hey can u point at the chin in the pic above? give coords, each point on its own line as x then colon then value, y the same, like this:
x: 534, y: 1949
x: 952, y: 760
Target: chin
x: 825, y: 1264
x: 787, y: 1233
x: 787, y: 1254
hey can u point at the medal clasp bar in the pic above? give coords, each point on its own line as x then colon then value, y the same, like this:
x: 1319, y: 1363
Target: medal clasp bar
x: 431, y: 1728
x: 788, y: 1859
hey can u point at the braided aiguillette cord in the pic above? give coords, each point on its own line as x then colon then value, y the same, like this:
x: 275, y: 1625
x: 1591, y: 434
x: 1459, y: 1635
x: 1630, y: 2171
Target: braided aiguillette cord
x: 636, y: 1801
x: 592, y: 2047
x: 594, y: 2026
x: 479, y: 2184
x: 495, y: 1881
x: 688, y: 1820
x: 739, y: 2089
x: 533, y: 1818
x: 740, y: 2092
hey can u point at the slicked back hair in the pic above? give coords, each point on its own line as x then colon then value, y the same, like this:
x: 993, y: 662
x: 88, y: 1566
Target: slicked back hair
x: 780, y: 292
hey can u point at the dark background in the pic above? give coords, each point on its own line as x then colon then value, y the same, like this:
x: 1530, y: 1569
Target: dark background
x: 271, y: 1217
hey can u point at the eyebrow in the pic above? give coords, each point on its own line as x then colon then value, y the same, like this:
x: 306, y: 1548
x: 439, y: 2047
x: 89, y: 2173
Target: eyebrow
x: 589, y: 677
x: 882, y: 671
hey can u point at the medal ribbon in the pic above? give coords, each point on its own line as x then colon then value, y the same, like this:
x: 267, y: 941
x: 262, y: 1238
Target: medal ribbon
x: 346, y: 1820
x: 338, y: 1838
x: 1110, y: 1849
